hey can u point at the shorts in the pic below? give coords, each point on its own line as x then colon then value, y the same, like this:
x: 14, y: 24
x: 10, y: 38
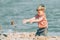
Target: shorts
x: 41, y: 31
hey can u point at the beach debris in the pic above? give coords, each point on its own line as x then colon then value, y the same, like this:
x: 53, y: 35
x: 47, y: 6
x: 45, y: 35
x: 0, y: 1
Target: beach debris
x: 12, y: 22
x: 5, y: 35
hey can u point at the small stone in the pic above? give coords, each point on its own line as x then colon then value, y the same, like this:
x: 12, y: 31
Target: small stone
x: 0, y: 34
x: 5, y: 35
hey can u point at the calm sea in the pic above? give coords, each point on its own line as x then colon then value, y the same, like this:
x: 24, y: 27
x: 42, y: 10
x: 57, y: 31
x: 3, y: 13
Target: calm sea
x: 17, y: 10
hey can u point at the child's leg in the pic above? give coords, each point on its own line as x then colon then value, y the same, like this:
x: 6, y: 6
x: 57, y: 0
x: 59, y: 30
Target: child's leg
x: 40, y: 31
x: 45, y: 32
x: 37, y: 33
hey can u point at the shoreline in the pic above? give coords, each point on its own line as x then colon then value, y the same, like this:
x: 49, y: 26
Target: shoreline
x: 26, y: 36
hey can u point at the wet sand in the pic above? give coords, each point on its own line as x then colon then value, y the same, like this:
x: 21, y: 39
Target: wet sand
x: 26, y: 36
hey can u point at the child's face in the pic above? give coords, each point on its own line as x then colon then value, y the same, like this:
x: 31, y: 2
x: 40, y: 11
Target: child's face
x: 40, y: 12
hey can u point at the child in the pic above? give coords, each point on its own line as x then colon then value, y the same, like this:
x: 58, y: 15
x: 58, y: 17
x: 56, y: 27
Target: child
x: 40, y: 18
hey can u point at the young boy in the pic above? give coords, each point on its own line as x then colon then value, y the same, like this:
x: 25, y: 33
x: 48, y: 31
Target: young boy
x: 40, y: 18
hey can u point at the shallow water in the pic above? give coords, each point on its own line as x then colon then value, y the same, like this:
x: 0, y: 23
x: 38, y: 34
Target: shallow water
x: 17, y: 10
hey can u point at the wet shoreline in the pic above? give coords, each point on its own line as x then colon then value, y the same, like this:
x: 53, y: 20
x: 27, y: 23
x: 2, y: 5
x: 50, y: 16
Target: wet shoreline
x: 26, y: 36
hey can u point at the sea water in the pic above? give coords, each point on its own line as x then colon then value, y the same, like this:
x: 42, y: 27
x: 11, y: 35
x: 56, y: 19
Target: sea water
x: 18, y: 10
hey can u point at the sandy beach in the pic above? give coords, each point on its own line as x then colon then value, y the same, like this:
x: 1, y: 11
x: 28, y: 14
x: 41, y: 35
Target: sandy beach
x: 26, y: 36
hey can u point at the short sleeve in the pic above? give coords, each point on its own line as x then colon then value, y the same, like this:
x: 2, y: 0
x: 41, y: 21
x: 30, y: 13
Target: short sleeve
x: 37, y: 16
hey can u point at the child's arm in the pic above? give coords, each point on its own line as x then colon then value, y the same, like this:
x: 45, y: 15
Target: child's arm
x: 28, y: 20
x: 37, y: 20
x: 31, y: 20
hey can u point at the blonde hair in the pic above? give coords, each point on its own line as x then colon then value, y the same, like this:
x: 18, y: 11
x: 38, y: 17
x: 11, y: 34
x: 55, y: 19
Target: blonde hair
x: 41, y: 7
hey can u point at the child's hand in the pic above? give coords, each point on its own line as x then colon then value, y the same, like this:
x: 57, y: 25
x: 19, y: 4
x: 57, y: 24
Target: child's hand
x: 31, y: 21
x: 24, y: 21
